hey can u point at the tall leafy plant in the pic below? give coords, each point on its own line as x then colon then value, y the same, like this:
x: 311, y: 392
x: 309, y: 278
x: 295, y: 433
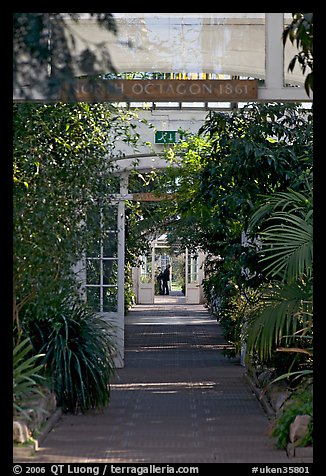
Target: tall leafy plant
x: 27, y: 377
x: 63, y: 170
x: 57, y: 148
x: 282, y: 320
x: 79, y: 350
x: 219, y: 175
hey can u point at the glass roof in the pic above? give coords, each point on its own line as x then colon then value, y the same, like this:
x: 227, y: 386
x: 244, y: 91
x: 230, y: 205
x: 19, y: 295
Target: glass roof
x: 201, y: 43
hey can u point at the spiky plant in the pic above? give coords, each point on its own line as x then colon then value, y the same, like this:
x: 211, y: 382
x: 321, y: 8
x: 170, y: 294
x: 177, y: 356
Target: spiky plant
x: 79, y: 356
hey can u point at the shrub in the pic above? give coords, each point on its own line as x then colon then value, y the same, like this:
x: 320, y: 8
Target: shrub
x: 300, y: 403
x: 79, y: 353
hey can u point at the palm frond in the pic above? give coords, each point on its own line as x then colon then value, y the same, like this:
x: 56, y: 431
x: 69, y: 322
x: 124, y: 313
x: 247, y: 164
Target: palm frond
x: 297, y: 374
x: 295, y: 349
x: 287, y: 202
x: 289, y: 248
x: 277, y: 317
x: 286, y: 243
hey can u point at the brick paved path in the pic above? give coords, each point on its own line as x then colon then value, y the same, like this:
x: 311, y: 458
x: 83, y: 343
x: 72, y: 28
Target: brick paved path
x: 177, y: 400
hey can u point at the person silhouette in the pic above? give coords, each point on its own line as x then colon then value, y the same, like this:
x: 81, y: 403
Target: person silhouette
x: 166, y: 279
x: 159, y: 279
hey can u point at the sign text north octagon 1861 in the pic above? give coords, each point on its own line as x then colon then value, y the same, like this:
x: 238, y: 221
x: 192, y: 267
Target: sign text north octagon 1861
x: 162, y: 90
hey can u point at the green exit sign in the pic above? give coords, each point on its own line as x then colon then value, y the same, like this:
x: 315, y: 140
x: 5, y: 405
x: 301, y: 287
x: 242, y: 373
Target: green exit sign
x: 167, y: 137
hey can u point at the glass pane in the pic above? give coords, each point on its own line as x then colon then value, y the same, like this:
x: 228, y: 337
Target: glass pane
x: 93, y: 298
x: 110, y: 299
x: 192, y: 104
x: 157, y: 261
x: 110, y: 217
x: 146, y: 278
x: 165, y: 260
x: 168, y: 104
x: 94, y: 248
x: 93, y: 245
x: 93, y: 271
x: 231, y: 43
x: 114, y: 184
x: 110, y: 244
x: 146, y: 270
x: 110, y: 272
x: 192, y: 270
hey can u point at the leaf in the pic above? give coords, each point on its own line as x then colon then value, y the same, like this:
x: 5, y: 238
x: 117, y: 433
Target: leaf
x: 294, y: 349
x: 276, y: 318
x: 297, y: 374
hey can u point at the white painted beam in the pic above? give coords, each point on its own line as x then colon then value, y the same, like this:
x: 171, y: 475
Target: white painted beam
x: 274, y: 65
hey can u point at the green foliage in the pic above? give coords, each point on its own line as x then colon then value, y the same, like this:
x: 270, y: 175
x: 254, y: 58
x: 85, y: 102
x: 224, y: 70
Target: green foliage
x: 27, y: 377
x: 79, y: 351
x: 231, y: 314
x: 287, y: 236
x: 230, y: 295
x: 282, y: 319
x: 300, y: 32
x: 57, y: 148
x: 254, y: 160
x: 63, y: 177
x: 129, y: 295
x: 220, y: 176
x: 299, y: 403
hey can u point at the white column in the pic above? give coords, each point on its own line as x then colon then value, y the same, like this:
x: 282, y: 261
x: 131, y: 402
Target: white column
x: 186, y: 275
x: 121, y: 272
x: 274, y: 54
x: 121, y: 243
x: 79, y: 269
x: 153, y: 270
x: 201, y: 275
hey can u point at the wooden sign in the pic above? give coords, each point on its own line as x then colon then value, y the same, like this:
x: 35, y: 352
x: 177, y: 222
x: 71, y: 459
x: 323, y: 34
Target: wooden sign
x: 155, y: 90
x: 150, y: 197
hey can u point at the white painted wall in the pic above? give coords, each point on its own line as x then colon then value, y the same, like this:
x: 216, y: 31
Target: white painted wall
x: 172, y: 119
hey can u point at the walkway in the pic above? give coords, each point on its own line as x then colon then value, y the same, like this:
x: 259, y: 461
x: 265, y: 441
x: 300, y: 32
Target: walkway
x: 177, y: 400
